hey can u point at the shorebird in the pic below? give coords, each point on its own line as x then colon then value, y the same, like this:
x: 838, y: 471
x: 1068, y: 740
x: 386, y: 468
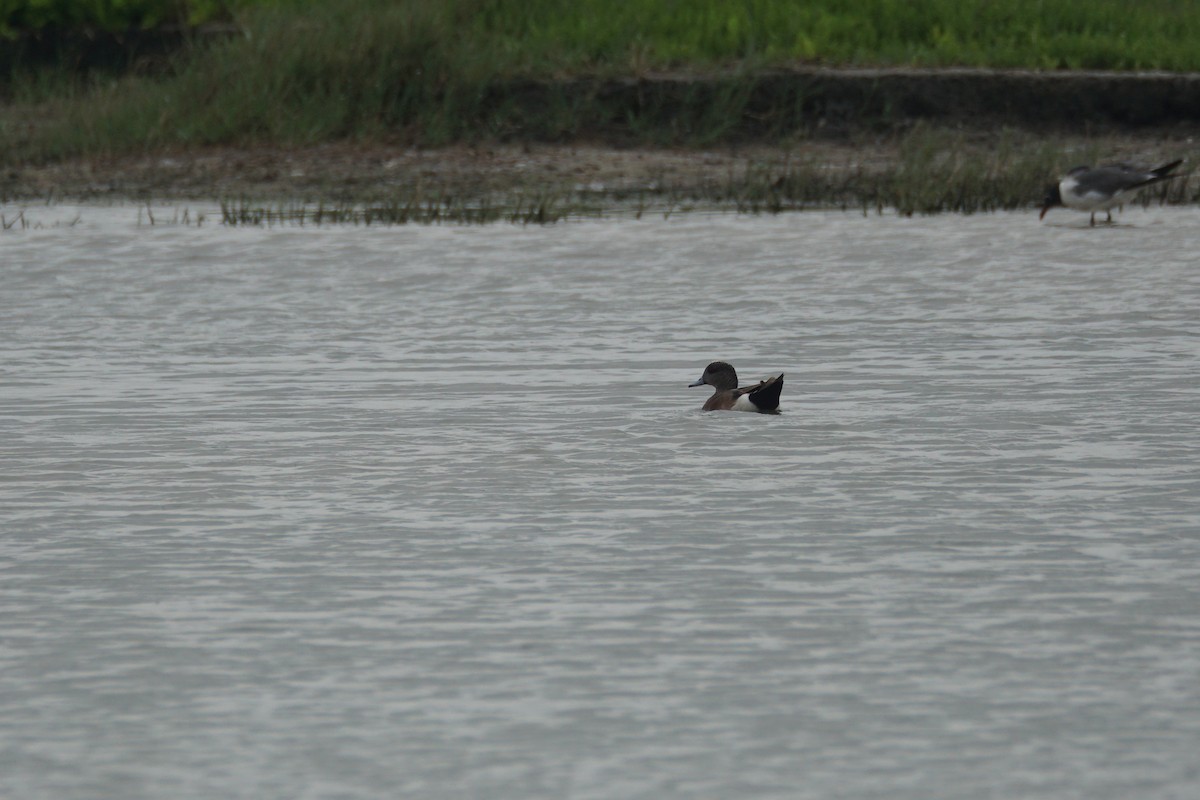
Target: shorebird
x: 1095, y: 189
x: 762, y: 397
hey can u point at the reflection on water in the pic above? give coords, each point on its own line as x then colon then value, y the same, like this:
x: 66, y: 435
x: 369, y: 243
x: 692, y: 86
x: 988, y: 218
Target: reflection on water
x: 430, y: 511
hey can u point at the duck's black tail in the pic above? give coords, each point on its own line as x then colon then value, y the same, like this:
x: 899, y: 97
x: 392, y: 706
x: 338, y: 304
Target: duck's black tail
x: 766, y: 395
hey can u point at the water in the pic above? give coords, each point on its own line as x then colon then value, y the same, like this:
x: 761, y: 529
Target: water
x: 431, y: 512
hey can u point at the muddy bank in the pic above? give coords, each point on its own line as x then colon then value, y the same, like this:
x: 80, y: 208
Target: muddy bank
x: 842, y: 101
x: 364, y: 171
x: 814, y: 135
x: 349, y: 171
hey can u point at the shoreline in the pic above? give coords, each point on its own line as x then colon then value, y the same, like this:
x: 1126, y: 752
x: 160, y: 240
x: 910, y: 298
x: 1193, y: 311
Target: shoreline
x: 992, y: 138
x: 952, y: 172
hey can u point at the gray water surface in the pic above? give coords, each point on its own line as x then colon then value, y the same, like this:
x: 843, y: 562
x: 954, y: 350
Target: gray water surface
x: 431, y: 512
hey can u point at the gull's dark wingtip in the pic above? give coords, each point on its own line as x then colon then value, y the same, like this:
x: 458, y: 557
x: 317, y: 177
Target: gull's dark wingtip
x: 1167, y: 169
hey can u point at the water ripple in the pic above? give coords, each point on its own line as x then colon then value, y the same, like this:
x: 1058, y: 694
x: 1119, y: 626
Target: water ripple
x: 431, y: 511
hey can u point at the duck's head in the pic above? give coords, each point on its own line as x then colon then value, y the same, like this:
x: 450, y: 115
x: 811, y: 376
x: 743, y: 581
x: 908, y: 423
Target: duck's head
x: 719, y: 375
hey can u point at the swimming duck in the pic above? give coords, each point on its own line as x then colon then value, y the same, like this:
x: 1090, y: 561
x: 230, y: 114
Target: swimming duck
x: 1103, y: 188
x: 762, y: 397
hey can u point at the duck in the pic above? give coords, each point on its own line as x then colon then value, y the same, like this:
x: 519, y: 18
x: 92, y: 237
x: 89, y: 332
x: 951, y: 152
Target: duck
x: 1094, y: 189
x: 762, y: 397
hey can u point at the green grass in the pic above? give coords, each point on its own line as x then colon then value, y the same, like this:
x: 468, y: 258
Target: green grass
x: 539, y: 35
x: 436, y: 71
x: 1102, y: 34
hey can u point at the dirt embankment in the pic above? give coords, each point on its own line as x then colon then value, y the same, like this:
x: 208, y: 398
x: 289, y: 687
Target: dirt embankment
x: 838, y: 101
x: 847, y: 118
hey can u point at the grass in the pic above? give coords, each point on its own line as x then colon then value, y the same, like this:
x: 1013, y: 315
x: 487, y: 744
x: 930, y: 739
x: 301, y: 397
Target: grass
x: 799, y: 190
x: 1104, y: 34
x: 39, y: 17
x: 541, y: 36
x: 401, y: 208
x: 437, y: 71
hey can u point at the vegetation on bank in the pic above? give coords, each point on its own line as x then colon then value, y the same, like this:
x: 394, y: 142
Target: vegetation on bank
x: 541, y: 35
x: 55, y: 17
x: 928, y: 170
x: 431, y: 72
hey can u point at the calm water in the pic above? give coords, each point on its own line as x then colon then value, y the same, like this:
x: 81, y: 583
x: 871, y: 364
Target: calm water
x: 431, y: 512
